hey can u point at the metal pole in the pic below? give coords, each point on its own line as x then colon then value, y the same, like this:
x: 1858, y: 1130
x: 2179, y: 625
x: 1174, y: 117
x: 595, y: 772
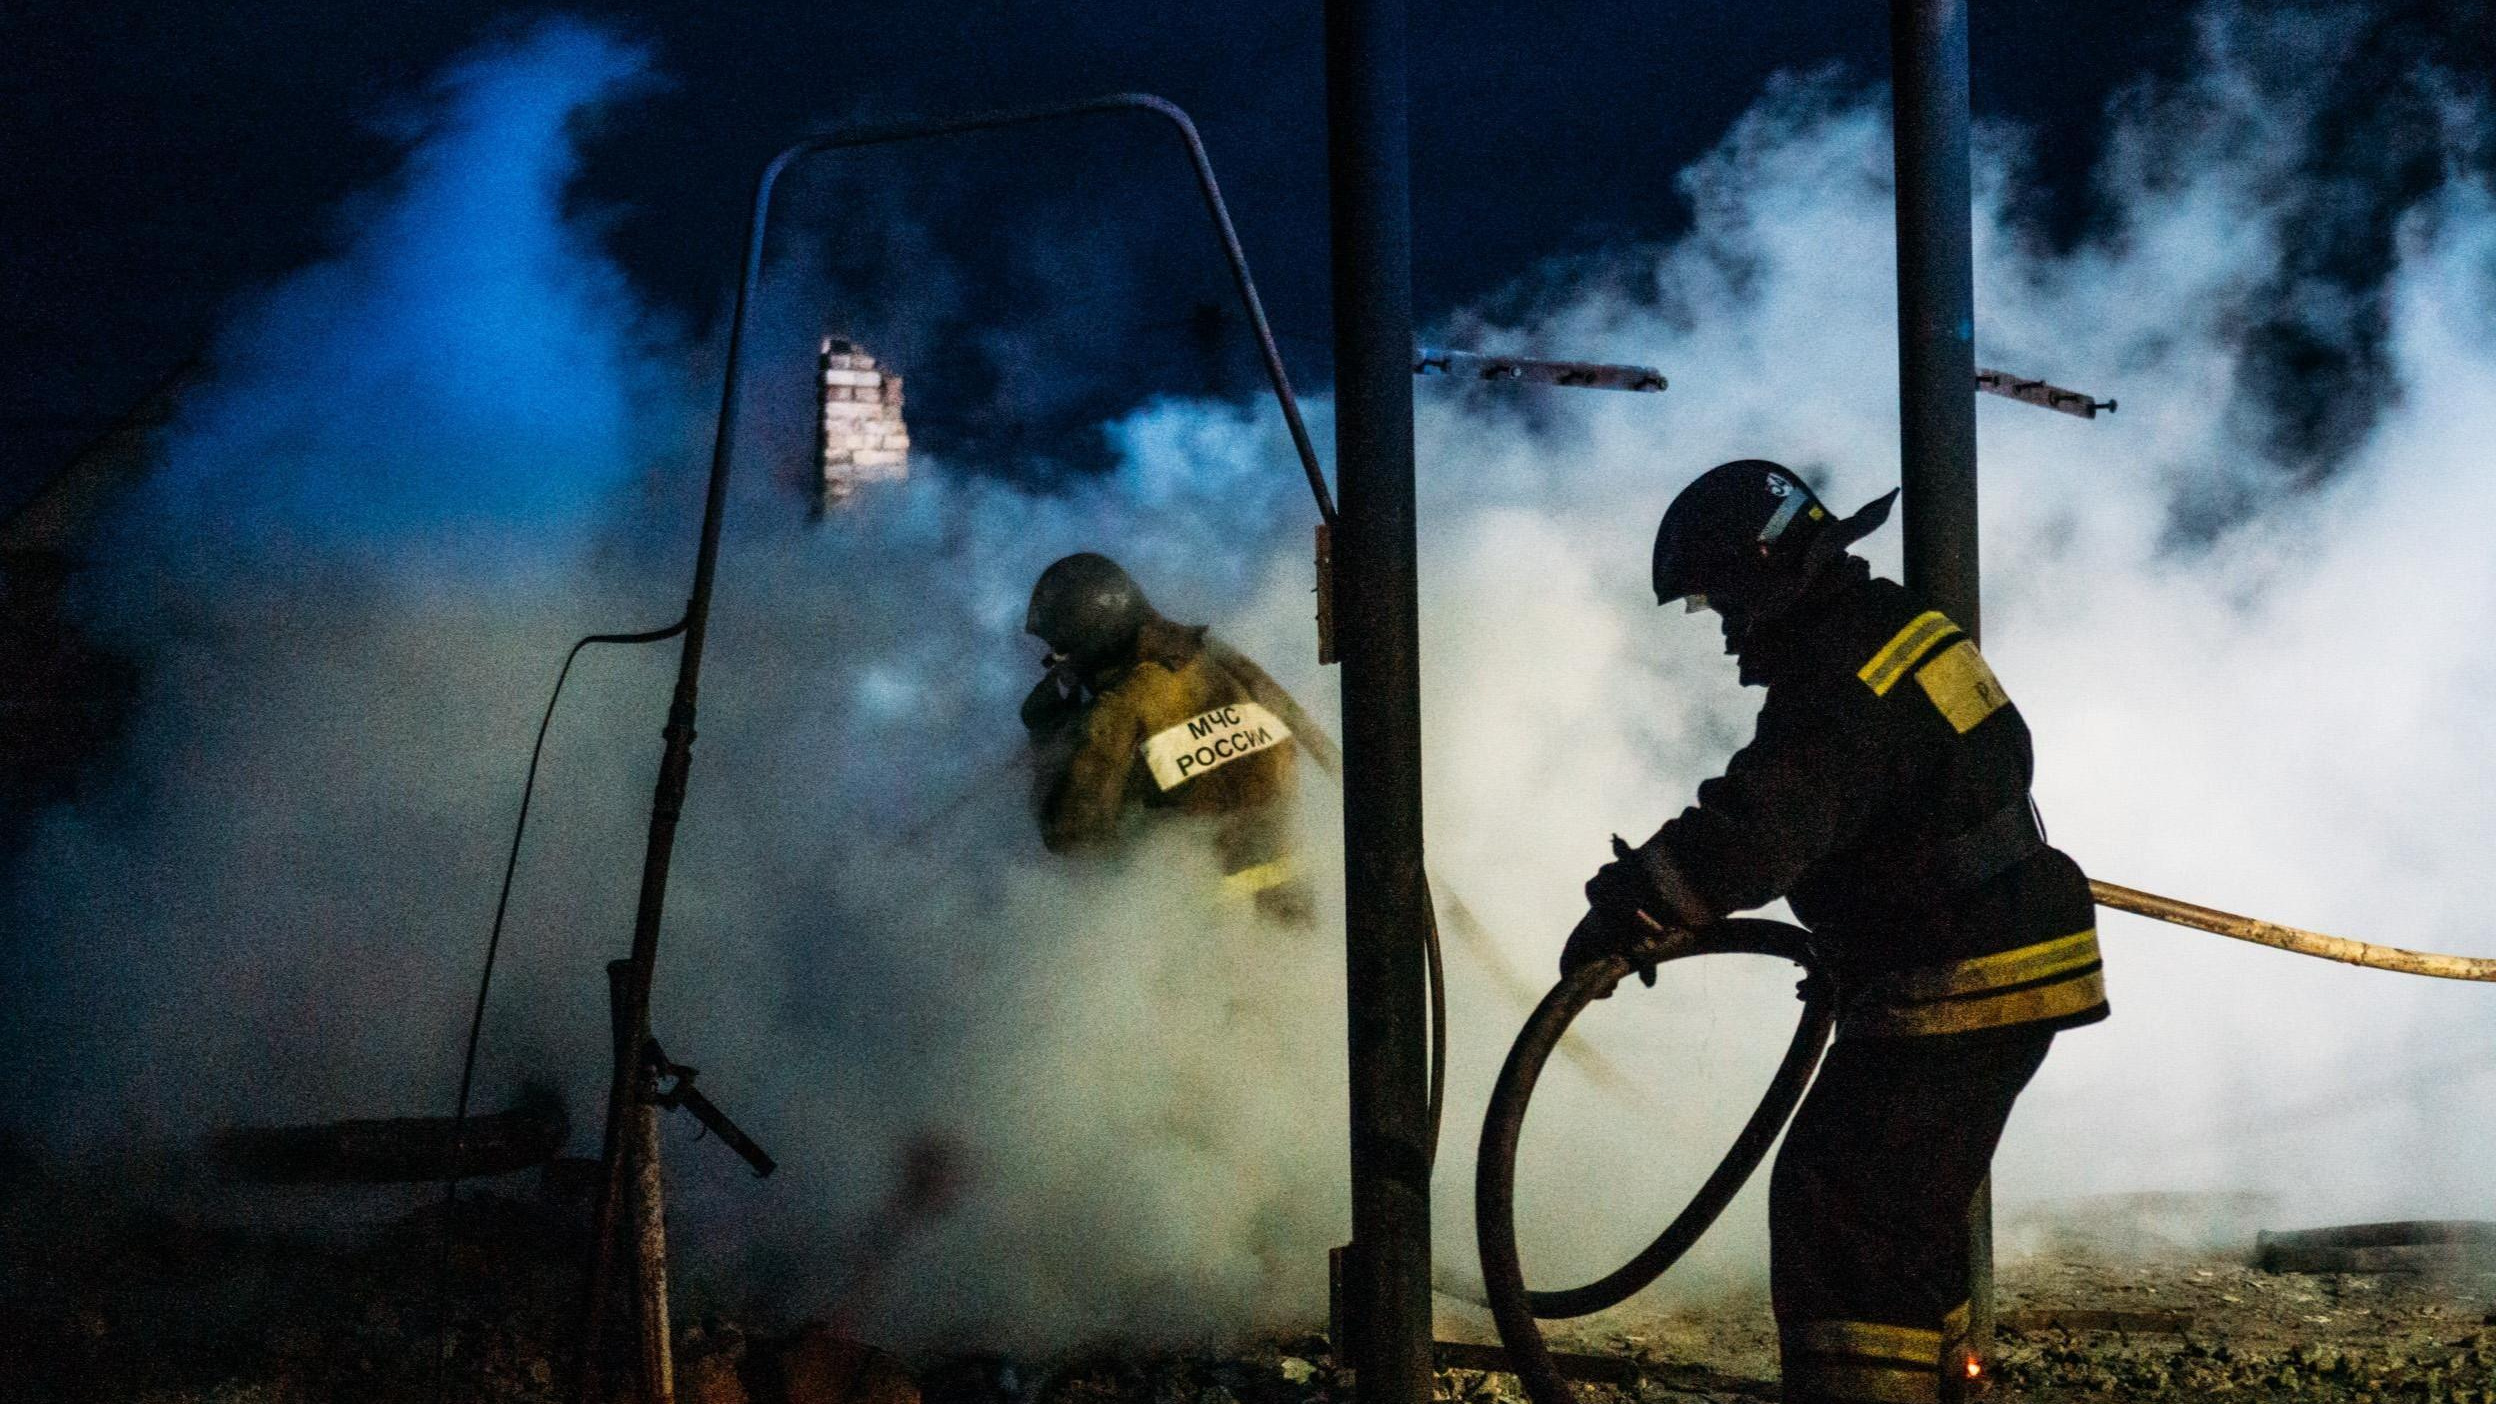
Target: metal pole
x: 623, y: 980
x: 1936, y: 303
x: 1937, y: 382
x: 1377, y: 610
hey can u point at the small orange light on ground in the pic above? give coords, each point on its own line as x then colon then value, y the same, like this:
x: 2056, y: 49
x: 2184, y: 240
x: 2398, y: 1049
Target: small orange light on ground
x: 1975, y: 1368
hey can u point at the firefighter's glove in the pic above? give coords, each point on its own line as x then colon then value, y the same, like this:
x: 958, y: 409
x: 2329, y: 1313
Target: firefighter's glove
x: 1623, y: 893
x: 1620, y: 920
x: 1598, y: 938
x: 1054, y: 703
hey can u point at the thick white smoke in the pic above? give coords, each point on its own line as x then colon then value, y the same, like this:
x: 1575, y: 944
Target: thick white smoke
x: 426, y: 465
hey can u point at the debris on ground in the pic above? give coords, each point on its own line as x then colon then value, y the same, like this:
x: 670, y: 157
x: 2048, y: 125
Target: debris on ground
x: 114, y: 1303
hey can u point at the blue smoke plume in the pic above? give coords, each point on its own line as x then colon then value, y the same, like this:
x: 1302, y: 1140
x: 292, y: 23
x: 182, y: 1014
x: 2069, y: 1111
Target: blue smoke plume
x: 468, y: 361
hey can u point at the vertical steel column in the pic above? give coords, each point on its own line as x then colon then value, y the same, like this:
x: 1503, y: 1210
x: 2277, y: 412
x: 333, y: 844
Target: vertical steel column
x: 1377, y: 611
x: 1936, y: 303
x: 1937, y: 380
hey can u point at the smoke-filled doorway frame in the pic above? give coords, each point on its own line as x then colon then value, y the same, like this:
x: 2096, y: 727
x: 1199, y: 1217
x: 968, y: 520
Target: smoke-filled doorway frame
x: 630, y: 979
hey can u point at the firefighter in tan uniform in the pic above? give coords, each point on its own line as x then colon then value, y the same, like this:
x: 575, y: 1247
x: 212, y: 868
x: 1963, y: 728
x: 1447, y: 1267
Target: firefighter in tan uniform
x: 1885, y: 796
x: 1139, y: 715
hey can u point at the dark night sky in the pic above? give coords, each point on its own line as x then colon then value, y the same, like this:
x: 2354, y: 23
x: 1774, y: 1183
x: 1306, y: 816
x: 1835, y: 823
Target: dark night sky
x: 164, y: 159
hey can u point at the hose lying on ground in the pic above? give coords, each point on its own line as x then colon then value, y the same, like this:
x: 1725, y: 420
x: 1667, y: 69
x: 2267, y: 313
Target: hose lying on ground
x: 2410, y: 1244
x: 1512, y: 1305
x: 2290, y: 938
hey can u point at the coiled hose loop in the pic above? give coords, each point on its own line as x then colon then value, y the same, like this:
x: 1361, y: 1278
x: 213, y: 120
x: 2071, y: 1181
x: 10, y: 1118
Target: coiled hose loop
x: 1513, y: 1306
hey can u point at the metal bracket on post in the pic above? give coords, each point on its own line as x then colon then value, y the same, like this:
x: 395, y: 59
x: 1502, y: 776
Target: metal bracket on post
x: 2037, y: 392
x: 1584, y: 375
x: 681, y: 1092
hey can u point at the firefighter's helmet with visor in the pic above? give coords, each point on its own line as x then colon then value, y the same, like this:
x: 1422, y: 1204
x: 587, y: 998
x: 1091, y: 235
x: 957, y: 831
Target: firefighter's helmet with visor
x: 1748, y: 535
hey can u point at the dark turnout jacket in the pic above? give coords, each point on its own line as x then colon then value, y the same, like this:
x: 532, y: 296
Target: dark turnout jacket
x: 1885, y: 796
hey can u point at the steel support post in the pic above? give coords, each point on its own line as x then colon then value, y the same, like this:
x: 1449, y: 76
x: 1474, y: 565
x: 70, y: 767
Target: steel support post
x: 1376, y: 617
x: 1936, y: 303
x: 1937, y: 378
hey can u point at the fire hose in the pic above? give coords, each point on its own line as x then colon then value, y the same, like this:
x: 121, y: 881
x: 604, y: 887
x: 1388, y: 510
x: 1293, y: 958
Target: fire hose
x: 1513, y: 1306
x: 2290, y: 938
x: 1516, y: 1309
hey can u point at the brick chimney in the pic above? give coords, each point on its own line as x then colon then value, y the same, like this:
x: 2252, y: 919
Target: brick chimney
x: 862, y: 437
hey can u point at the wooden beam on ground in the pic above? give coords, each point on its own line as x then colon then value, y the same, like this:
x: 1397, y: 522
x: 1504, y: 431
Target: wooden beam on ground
x: 396, y: 1150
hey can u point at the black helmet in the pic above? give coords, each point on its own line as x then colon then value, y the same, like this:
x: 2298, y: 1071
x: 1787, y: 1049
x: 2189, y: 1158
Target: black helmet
x: 1748, y: 534
x: 1085, y: 607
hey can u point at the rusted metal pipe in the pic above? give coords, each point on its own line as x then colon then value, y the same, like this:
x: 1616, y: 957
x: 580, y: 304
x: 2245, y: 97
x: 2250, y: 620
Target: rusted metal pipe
x: 658, y: 1355
x: 2069, y: 1319
x: 2290, y: 938
x: 626, y: 1003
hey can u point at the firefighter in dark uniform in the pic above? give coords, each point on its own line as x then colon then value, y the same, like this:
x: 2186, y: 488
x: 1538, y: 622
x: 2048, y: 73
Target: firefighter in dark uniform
x: 1140, y: 716
x: 1884, y: 795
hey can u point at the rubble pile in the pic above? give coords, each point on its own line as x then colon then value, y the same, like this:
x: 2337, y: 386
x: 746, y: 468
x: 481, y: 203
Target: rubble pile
x: 2419, y: 1367
x: 2254, y: 1335
x: 127, y: 1303
x: 120, y: 1302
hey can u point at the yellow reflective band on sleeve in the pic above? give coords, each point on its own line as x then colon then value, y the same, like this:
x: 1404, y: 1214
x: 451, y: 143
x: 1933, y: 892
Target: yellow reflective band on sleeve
x: 2049, y: 980
x: 1903, y: 649
x: 1962, y: 686
x: 1248, y: 882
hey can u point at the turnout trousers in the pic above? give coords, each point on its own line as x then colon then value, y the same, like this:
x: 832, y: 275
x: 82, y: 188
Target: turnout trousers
x: 1868, y: 1209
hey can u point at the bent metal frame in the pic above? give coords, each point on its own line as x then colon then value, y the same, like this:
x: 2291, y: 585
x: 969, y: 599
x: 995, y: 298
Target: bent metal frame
x: 629, y: 1160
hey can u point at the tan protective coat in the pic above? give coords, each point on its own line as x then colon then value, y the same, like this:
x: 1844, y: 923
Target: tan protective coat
x: 1106, y: 776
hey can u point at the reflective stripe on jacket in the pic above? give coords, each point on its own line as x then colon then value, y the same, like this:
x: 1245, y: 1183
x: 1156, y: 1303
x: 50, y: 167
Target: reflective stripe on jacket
x: 1885, y: 737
